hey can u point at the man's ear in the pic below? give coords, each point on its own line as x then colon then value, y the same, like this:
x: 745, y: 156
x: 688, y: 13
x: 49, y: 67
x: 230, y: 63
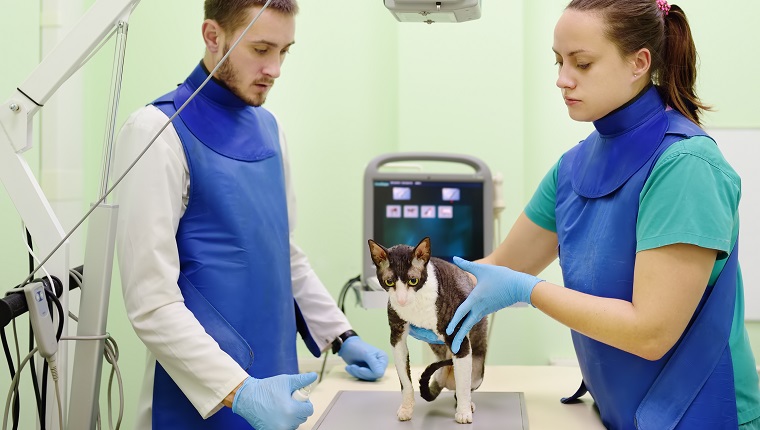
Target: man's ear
x: 213, y: 36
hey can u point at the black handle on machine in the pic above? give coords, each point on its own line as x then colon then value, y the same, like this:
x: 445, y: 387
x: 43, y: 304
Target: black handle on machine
x: 14, y: 305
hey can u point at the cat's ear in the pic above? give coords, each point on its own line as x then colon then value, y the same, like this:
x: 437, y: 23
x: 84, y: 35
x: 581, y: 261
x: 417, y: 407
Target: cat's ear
x: 422, y: 250
x: 378, y: 253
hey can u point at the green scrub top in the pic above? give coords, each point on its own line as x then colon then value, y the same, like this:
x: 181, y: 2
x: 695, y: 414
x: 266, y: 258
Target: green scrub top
x: 691, y: 196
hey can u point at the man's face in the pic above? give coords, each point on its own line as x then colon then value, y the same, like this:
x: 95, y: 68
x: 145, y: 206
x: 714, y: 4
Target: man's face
x: 594, y: 77
x: 253, y: 66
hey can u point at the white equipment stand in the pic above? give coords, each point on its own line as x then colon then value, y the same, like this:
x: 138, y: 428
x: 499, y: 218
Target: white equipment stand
x: 103, y: 19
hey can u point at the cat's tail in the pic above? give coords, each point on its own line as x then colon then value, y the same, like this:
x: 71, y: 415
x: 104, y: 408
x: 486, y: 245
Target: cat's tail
x: 426, y: 391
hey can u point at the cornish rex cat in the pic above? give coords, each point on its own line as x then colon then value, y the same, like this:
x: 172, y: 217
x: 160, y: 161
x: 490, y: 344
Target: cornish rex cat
x: 425, y: 291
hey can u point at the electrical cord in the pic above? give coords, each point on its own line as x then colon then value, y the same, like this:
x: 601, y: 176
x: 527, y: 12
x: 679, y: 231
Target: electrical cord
x: 341, y: 304
x: 50, y: 294
x: 37, y: 397
x: 35, y: 385
x: 14, y: 385
x: 9, y: 359
x: 111, y: 354
x: 497, y: 238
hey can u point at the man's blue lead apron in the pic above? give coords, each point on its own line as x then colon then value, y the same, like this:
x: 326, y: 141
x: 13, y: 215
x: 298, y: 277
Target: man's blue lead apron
x: 598, y: 187
x: 233, y: 243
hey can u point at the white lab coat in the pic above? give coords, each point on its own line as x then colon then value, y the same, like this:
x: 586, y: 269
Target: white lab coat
x: 152, y: 199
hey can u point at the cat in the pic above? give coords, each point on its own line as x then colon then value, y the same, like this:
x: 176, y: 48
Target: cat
x: 425, y: 291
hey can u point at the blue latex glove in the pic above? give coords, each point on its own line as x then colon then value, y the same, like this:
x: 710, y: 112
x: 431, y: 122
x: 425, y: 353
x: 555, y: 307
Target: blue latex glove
x: 364, y: 360
x: 267, y: 403
x: 424, y: 335
x: 497, y: 288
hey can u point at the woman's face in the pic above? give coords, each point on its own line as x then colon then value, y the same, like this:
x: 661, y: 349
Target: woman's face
x: 594, y: 77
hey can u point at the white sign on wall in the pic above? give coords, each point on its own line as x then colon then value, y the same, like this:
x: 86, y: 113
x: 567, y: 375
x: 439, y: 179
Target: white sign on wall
x: 741, y: 147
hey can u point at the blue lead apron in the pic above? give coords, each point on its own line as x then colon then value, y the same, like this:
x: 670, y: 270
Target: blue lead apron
x: 598, y: 189
x: 233, y: 244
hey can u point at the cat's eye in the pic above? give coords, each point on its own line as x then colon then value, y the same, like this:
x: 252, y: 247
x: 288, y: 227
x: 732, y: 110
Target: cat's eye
x: 413, y: 281
x: 390, y: 282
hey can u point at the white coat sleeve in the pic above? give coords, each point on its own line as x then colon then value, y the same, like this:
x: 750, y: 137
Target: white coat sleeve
x: 151, y: 199
x: 322, y: 315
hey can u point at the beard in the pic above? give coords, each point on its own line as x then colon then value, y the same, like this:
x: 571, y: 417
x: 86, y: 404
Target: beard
x: 229, y: 77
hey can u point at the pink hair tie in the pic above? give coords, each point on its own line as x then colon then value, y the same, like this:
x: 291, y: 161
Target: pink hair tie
x: 664, y: 6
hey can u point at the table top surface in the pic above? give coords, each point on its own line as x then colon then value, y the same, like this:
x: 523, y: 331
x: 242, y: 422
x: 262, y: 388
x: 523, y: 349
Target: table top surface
x: 542, y: 387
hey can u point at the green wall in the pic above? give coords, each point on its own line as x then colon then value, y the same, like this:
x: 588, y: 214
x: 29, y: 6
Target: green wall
x: 359, y: 84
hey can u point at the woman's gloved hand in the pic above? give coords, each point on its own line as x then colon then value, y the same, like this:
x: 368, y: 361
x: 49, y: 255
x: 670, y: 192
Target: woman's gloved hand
x: 497, y: 288
x: 364, y: 360
x: 424, y: 335
x: 267, y: 403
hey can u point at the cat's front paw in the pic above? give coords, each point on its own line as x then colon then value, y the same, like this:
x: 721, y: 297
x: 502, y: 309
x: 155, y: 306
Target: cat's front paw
x: 463, y: 417
x: 404, y: 412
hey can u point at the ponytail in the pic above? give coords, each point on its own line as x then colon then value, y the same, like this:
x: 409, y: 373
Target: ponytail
x: 676, y: 75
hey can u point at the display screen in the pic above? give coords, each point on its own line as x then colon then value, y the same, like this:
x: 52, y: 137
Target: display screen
x: 450, y: 213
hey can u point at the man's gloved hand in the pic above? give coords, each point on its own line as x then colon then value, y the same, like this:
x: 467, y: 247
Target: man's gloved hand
x: 497, y: 288
x: 364, y: 360
x: 267, y: 403
x: 424, y: 335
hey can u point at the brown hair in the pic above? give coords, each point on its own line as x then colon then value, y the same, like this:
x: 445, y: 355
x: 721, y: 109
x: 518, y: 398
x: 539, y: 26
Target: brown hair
x: 228, y: 12
x: 636, y: 24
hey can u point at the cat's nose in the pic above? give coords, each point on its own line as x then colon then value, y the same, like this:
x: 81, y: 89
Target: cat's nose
x: 401, y: 294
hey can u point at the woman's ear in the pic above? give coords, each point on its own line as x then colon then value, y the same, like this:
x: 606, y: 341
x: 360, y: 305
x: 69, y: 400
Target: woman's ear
x: 641, y: 62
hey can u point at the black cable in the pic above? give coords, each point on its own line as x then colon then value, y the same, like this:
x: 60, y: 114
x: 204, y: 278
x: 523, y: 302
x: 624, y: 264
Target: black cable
x: 12, y: 369
x: 50, y: 295
x: 37, y: 397
x: 32, y: 366
x: 341, y: 302
x: 344, y: 291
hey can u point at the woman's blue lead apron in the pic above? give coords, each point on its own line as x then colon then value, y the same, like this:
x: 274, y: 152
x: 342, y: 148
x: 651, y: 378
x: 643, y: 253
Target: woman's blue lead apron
x: 233, y: 243
x: 598, y: 188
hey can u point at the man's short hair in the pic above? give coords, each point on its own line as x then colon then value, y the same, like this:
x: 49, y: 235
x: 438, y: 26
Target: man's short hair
x: 228, y: 13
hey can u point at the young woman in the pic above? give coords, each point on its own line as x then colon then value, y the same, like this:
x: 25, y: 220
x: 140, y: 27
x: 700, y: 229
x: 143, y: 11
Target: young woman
x: 643, y: 215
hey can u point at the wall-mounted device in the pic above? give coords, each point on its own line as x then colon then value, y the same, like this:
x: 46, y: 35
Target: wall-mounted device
x: 434, y: 11
x: 454, y: 209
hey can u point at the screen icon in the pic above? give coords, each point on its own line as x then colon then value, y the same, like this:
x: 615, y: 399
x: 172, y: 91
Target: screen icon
x: 402, y: 193
x: 450, y: 194
x: 393, y: 211
x: 427, y: 211
x: 411, y: 211
x: 446, y: 212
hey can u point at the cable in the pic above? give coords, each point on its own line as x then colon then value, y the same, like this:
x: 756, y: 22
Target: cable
x: 51, y: 361
x: 37, y: 397
x: 9, y: 358
x: 344, y: 290
x: 50, y: 294
x: 498, y: 208
x: 13, y: 387
x: 35, y: 384
x: 18, y: 360
x: 111, y: 353
x: 341, y: 302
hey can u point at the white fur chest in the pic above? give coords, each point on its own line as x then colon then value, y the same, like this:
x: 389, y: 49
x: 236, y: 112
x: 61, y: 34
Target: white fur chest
x: 420, y: 307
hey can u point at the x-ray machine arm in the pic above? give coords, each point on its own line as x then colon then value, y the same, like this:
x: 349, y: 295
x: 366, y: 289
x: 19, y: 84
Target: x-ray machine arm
x: 25, y: 192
